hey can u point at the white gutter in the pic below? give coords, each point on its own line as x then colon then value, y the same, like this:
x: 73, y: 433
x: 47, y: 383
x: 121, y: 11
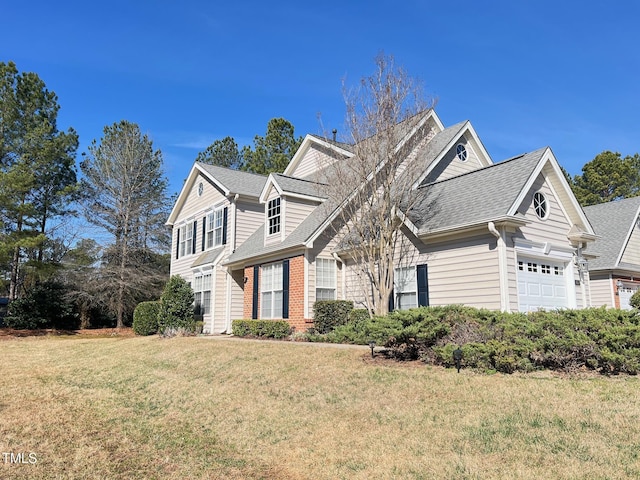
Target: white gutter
x: 502, y: 266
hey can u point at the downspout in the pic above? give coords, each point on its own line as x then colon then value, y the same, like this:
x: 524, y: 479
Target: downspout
x: 582, y: 277
x: 502, y: 266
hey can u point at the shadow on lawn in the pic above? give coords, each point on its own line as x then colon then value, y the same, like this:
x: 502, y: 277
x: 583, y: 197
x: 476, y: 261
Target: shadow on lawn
x: 9, y: 333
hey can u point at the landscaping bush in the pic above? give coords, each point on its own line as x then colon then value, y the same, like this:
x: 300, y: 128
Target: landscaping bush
x: 635, y: 300
x: 145, y: 318
x: 45, y: 306
x: 176, y: 306
x: 261, y: 328
x: 329, y: 314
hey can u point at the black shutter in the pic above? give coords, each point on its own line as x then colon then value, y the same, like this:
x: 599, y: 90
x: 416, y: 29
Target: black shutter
x: 224, y: 226
x: 285, y: 289
x: 423, y: 286
x: 178, y: 245
x: 204, y: 231
x: 195, y: 231
x: 254, y: 311
x: 391, y: 300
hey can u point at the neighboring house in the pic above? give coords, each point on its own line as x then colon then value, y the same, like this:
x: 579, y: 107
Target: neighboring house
x: 615, y: 268
x: 506, y: 236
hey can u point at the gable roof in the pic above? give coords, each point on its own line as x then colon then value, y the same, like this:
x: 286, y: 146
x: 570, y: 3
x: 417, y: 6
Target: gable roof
x: 440, y: 144
x: 254, y: 246
x: 292, y: 186
x: 614, y: 222
x: 235, y: 181
x: 227, y: 180
x: 476, y: 197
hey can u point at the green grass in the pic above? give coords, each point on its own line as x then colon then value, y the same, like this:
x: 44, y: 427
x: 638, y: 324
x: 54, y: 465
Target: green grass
x: 122, y: 408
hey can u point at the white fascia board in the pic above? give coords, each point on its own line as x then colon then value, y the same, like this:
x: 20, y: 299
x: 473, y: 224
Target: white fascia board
x: 407, y: 222
x: 271, y: 181
x: 188, y: 184
x: 499, y: 222
x: 627, y: 238
x: 302, y: 196
x: 529, y: 183
x: 441, y: 154
x: 549, y: 158
x: 479, y: 143
x: 413, y: 131
x: 305, y: 145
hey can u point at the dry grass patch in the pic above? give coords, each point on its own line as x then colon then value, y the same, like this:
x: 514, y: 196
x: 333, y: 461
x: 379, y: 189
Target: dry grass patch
x: 123, y: 408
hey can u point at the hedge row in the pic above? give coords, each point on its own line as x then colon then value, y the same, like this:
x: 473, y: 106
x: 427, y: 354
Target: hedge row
x: 605, y: 340
x: 261, y: 328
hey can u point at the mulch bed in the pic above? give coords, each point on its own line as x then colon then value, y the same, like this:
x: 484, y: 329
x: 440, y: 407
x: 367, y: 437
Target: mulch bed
x: 11, y: 333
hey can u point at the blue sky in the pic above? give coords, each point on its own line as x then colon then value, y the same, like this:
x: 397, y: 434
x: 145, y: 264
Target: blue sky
x: 525, y: 73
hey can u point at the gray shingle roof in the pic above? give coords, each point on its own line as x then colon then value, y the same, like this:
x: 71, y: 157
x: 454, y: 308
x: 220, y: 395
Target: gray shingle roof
x: 612, y: 222
x: 438, y: 143
x: 474, y: 197
x: 299, y: 186
x: 207, y: 257
x: 345, y: 146
x: 254, y: 246
x: 244, y: 183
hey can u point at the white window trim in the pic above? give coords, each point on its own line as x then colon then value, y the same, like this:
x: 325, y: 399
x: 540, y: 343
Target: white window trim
x: 185, y: 246
x: 278, y: 216
x: 200, y: 284
x: 331, y: 284
x: 210, y: 234
x: 397, y: 291
x: 267, y: 271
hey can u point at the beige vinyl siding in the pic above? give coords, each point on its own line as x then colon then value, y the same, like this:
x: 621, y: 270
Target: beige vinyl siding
x: 249, y: 216
x: 555, y: 227
x: 237, y: 294
x: 323, y: 248
x: 194, y: 208
x: 297, y: 210
x: 312, y: 161
x: 512, y: 274
x: 601, y: 287
x: 632, y: 250
x: 464, y: 272
x: 460, y: 271
x: 451, y: 166
x: 218, y: 298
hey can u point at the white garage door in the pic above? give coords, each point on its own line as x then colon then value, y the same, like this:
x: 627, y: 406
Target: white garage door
x: 541, y: 284
x: 625, y: 292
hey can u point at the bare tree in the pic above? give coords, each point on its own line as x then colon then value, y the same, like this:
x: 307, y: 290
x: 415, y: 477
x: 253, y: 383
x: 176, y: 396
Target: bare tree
x: 126, y: 195
x: 372, y: 190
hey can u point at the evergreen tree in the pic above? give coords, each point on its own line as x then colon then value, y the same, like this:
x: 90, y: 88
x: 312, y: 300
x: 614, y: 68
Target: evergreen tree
x: 37, y: 175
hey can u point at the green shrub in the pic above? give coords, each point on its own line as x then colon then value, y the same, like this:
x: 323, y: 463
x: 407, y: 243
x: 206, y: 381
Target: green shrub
x: 176, y: 306
x: 329, y: 314
x: 45, y: 306
x: 635, y: 300
x: 145, y: 318
x: 358, y: 315
x: 261, y: 328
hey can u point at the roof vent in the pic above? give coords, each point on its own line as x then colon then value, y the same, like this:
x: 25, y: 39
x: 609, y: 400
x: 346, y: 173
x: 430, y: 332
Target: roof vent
x: 334, y: 131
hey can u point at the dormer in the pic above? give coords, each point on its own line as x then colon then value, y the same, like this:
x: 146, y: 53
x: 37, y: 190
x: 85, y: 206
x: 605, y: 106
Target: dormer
x: 287, y: 202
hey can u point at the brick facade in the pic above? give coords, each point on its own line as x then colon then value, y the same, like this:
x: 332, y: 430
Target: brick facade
x: 296, y: 294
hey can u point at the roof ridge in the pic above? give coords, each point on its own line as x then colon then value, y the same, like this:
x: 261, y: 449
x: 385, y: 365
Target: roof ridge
x: 630, y: 200
x: 298, y: 178
x: 503, y: 162
x: 235, y: 170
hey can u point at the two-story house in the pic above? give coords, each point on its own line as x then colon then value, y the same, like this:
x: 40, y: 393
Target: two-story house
x: 506, y: 236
